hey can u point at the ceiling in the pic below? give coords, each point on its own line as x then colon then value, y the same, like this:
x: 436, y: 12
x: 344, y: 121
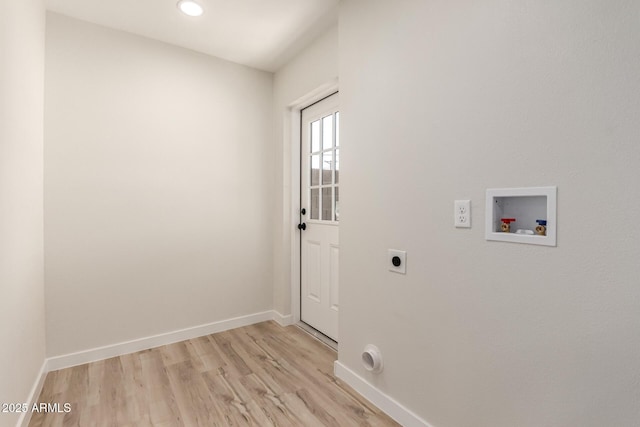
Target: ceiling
x: 263, y: 34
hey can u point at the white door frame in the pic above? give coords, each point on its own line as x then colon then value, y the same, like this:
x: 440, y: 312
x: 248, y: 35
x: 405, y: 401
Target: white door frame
x: 293, y: 131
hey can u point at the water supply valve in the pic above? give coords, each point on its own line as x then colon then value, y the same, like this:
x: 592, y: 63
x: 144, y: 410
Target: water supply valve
x: 506, y: 224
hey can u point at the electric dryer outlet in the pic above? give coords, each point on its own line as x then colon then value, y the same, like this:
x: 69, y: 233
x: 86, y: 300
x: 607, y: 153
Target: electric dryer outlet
x: 397, y: 261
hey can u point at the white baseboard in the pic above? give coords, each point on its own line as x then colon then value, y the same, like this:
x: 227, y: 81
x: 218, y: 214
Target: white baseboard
x: 386, y: 403
x: 119, y: 349
x: 114, y: 350
x: 283, y: 320
x: 25, y: 417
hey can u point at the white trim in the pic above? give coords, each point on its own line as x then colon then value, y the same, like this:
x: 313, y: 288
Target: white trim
x: 384, y: 402
x: 114, y: 350
x: 283, y: 320
x: 25, y: 417
x: 315, y: 95
x: 294, y: 279
x: 292, y: 137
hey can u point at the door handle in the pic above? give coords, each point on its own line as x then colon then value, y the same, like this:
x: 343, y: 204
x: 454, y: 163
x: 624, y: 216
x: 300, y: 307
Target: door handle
x: 302, y: 226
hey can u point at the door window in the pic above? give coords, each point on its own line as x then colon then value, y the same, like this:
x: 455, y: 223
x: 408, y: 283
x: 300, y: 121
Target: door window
x: 324, y: 158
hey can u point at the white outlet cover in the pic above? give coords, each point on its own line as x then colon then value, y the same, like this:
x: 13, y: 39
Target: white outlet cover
x: 402, y: 268
x: 462, y: 213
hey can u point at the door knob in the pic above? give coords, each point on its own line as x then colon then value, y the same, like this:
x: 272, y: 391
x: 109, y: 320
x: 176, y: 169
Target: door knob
x: 302, y: 226
x: 303, y: 211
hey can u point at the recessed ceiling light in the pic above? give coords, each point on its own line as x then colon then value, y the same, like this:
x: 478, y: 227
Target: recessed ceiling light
x: 190, y: 7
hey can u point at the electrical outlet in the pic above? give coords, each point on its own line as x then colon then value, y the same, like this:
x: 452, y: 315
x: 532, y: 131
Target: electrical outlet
x: 462, y: 213
x: 397, y: 261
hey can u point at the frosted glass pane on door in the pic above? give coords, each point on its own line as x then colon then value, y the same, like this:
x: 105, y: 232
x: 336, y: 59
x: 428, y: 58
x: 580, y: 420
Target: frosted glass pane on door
x: 337, y: 165
x: 327, y: 160
x: 327, y: 204
x: 315, y: 170
x: 336, y: 204
x: 315, y: 204
x: 327, y: 132
x: 315, y: 136
x: 337, y: 129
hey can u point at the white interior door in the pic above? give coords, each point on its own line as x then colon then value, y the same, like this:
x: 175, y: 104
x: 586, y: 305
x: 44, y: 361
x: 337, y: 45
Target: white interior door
x: 319, y: 216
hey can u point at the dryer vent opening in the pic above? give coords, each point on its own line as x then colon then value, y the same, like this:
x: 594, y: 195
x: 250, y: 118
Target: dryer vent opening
x: 372, y: 359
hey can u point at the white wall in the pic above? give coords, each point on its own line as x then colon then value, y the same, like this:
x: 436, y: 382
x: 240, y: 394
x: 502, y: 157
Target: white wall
x: 21, y: 259
x: 315, y: 66
x: 157, y: 187
x: 439, y: 101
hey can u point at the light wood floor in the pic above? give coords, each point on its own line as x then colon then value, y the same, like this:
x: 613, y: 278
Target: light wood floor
x: 259, y: 375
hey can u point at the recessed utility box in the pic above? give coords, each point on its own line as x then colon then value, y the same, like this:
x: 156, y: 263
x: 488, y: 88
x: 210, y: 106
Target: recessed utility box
x: 522, y: 215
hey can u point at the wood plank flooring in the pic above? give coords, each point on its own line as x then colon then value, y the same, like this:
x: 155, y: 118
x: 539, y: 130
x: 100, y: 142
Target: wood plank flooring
x: 259, y: 375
